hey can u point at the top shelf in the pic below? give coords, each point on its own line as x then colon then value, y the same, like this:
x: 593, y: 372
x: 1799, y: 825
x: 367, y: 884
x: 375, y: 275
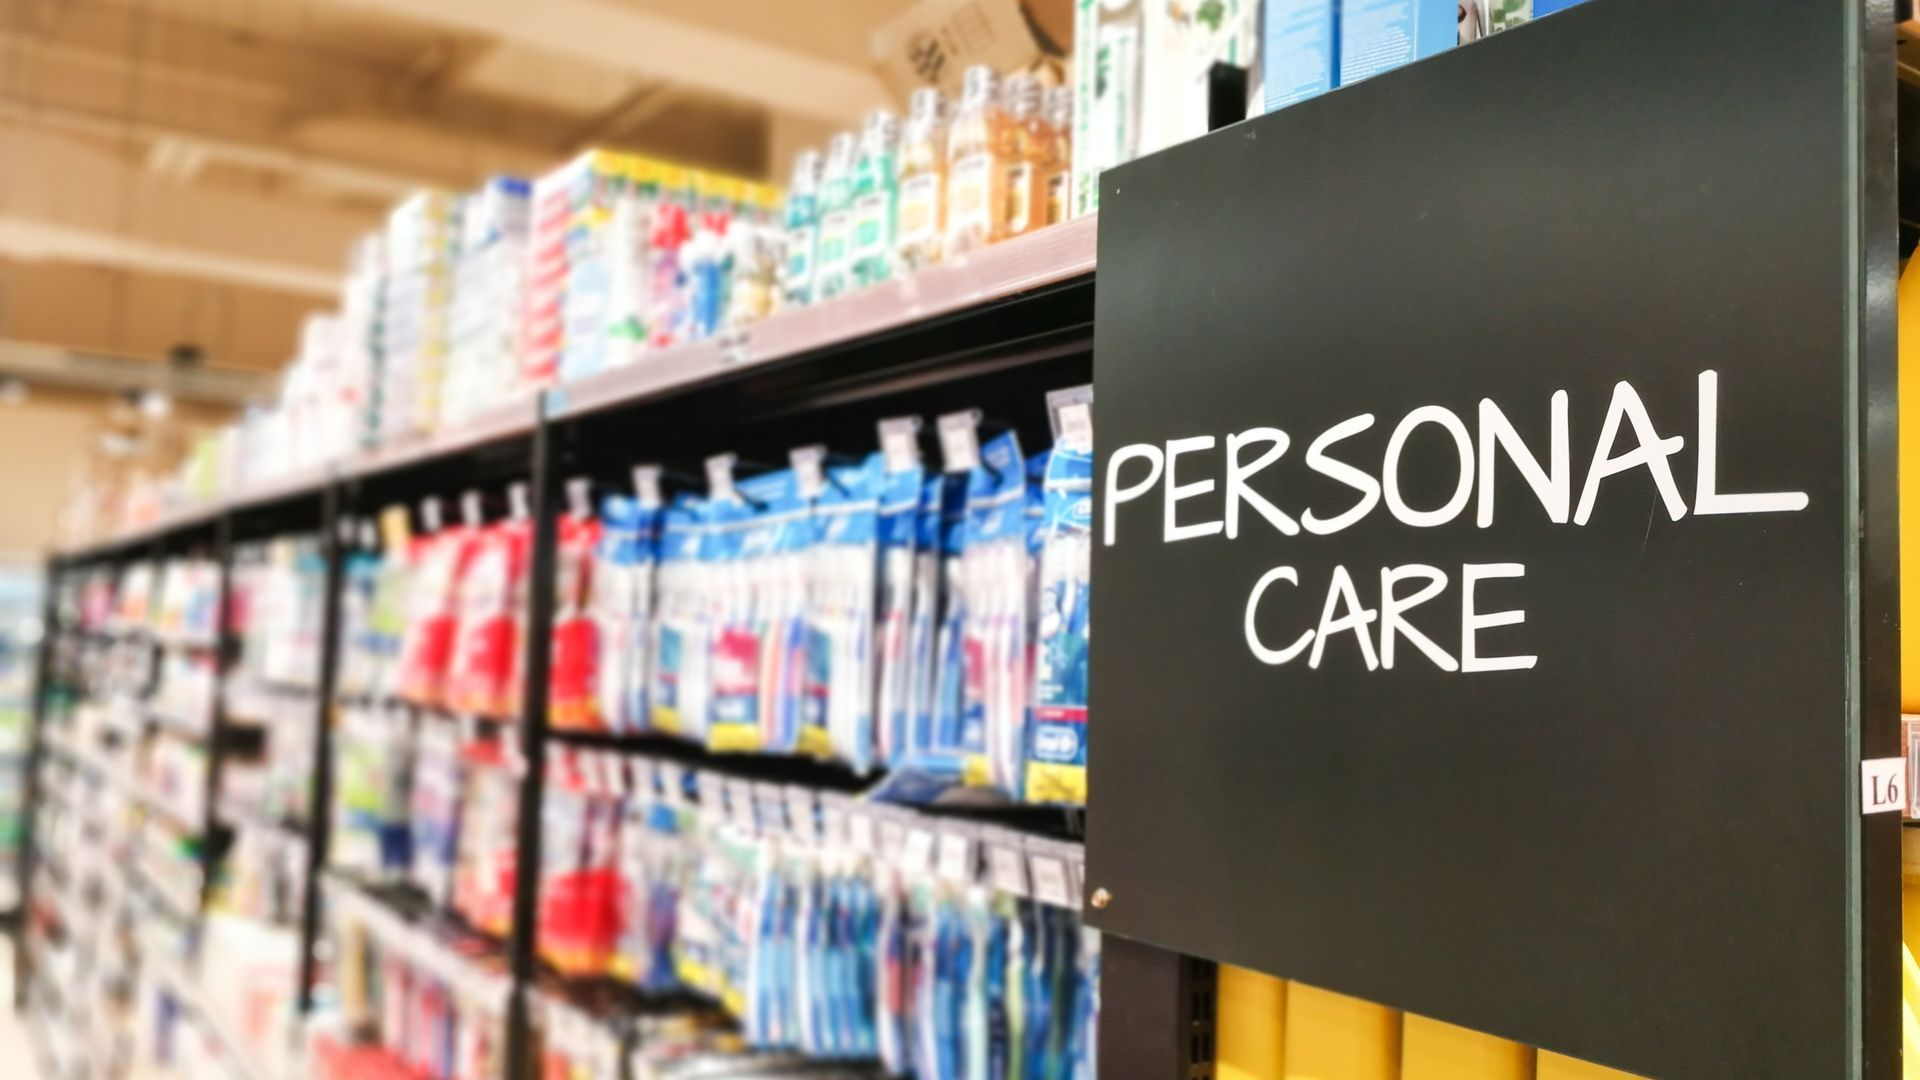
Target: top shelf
x: 967, y: 283
x: 971, y: 283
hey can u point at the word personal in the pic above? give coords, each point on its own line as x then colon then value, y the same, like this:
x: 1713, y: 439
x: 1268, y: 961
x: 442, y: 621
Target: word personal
x: 1189, y: 468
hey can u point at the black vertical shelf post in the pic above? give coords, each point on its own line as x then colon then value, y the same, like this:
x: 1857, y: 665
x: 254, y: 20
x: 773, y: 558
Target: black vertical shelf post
x: 1157, y: 1010
x: 333, y: 545
x: 536, y: 641
x: 218, y: 736
x: 30, y: 792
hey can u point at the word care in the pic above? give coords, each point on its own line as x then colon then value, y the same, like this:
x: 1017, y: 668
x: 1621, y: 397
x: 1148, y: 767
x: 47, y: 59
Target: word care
x: 1195, y: 467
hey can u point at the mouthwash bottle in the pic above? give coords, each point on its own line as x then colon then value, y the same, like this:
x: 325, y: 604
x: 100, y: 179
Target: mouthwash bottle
x: 923, y: 180
x: 976, y: 171
x: 1058, y: 181
x: 803, y: 229
x: 1028, y: 146
x: 833, y: 261
x: 876, y: 198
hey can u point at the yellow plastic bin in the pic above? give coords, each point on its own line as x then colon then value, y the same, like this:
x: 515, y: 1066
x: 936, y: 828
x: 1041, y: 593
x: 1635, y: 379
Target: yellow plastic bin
x: 1433, y: 1050
x: 1561, y: 1067
x: 1249, y: 1026
x: 1334, y: 1037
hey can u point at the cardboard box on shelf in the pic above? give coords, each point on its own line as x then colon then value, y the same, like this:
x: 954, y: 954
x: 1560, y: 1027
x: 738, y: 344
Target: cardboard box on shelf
x: 935, y: 41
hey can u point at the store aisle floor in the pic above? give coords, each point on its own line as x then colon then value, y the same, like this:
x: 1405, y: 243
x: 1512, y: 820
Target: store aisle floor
x: 16, y: 1050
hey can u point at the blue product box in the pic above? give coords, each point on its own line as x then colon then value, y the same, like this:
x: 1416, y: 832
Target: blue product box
x: 1482, y: 18
x: 1300, y: 55
x: 1380, y: 35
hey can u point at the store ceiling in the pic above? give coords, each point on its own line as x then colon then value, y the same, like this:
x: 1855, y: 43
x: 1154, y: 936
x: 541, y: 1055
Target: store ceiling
x: 233, y: 148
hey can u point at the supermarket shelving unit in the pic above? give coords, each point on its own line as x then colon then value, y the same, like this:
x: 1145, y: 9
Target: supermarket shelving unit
x: 994, y: 330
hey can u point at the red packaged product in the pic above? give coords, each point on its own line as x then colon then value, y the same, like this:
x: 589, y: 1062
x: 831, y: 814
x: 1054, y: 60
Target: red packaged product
x: 486, y: 643
x: 573, y: 701
x: 487, y: 864
x: 579, y: 883
x: 426, y: 646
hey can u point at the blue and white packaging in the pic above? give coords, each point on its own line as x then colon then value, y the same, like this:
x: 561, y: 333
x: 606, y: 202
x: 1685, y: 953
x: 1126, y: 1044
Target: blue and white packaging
x: 677, y: 677
x: 1057, y: 736
x: 1299, y: 50
x: 902, y: 487
x: 1380, y: 35
x: 1484, y: 18
x: 841, y: 588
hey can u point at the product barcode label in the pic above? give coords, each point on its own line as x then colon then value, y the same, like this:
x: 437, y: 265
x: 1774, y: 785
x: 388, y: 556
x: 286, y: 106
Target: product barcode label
x: 1019, y: 199
x: 920, y: 208
x: 960, y: 442
x: 834, y: 230
x: 1007, y: 868
x: 1051, y: 884
x: 740, y: 804
x: 720, y: 476
x: 712, y: 788
x: 809, y: 470
x: 800, y: 817
x: 799, y: 257
x: 860, y: 832
x: 916, y: 851
x: 900, y: 443
x: 673, y: 782
x: 1076, y: 425
x: 870, y: 225
x: 893, y: 838
x: 834, y: 820
x: 613, y: 774
x: 1912, y: 726
x: 646, y: 486
x: 955, y: 858
x: 967, y: 194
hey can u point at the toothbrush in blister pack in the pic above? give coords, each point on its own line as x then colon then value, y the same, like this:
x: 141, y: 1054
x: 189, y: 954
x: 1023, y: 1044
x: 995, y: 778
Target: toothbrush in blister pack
x: 902, y: 489
x: 640, y: 567
x: 1057, y: 741
x: 994, y: 575
x: 737, y: 536
x: 939, y: 529
x: 842, y: 568
x: 676, y: 686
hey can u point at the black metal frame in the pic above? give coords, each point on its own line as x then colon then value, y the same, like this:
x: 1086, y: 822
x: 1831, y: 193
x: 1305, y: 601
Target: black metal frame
x: 1877, y: 243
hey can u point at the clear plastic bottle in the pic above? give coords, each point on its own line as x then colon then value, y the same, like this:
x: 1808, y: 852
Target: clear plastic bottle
x: 833, y: 259
x: 803, y: 230
x: 876, y: 198
x: 1029, y: 147
x: 923, y: 181
x: 1057, y: 184
x: 976, y: 166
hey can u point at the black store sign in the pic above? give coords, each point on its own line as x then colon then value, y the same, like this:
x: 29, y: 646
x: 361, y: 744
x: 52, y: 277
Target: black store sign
x: 1493, y: 555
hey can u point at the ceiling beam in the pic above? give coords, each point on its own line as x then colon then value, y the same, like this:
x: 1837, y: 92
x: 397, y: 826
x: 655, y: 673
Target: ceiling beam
x: 373, y: 180
x: 32, y: 241
x: 51, y: 365
x: 68, y: 199
x: 147, y: 66
x: 630, y: 39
